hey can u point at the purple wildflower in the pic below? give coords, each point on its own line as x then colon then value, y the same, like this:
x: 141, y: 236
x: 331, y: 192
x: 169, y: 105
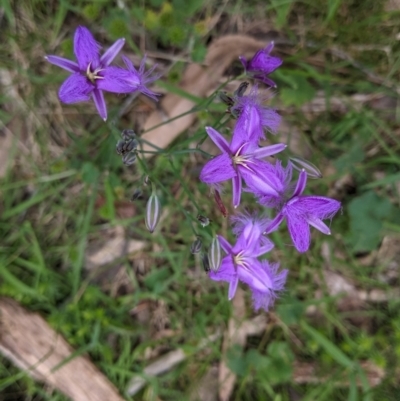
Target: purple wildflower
x: 301, y: 212
x: 240, y: 159
x: 250, y: 109
x: 241, y: 263
x: 91, y: 74
x: 262, y: 64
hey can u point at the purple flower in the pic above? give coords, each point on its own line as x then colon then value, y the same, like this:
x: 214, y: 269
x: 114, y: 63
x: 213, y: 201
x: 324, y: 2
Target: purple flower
x: 262, y: 64
x: 250, y: 108
x: 91, y: 74
x: 301, y: 212
x: 241, y: 263
x: 241, y: 159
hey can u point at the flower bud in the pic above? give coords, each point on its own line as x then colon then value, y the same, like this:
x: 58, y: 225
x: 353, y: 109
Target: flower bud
x: 206, y: 262
x: 153, y: 212
x: 214, y: 255
x: 196, y: 246
x: 136, y: 194
x: 299, y: 164
x: 129, y: 159
x: 226, y: 98
x: 239, y: 92
x: 204, y: 221
x: 128, y: 134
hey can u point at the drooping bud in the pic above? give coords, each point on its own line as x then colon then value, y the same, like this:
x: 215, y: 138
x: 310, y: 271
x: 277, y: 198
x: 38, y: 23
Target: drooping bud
x: 214, y: 255
x: 196, y: 246
x: 153, y: 211
x: 300, y: 164
x: 240, y: 91
x: 206, y: 262
x: 228, y: 100
x: 136, y: 194
x: 204, y: 221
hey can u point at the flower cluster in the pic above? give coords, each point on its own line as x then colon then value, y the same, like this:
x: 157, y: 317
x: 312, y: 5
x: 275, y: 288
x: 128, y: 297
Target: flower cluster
x: 243, y: 161
x: 92, y: 74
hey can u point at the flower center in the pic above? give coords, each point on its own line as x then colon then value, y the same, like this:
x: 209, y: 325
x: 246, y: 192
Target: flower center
x: 92, y: 75
x: 242, y: 160
x: 240, y: 260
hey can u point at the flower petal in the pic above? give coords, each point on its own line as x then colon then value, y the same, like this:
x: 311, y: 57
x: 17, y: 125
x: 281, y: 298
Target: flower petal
x: 261, y: 178
x: 86, y: 49
x: 76, y: 88
x: 233, y: 287
x: 112, y: 52
x: 64, y: 63
x: 301, y: 184
x: 318, y: 224
x: 236, y: 190
x: 318, y: 206
x: 218, y: 169
x: 115, y: 80
x: 266, y: 151
x: 275, y: 223
x: 255, y: 276
x: 100, y: 103
x: 263, y: 62
x: 226, y: 271
x: 225, y: 245
x: 219, y: 140
x: 299, y: 231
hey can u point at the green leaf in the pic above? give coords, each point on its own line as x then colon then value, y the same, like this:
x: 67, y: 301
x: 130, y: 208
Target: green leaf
x: 301, y: 92
x: 336, y: 354
x: 367, y: 213
x: 235, y: 361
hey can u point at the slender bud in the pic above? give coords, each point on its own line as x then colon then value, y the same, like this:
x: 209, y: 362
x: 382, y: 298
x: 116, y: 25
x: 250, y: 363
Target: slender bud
x: 196, y: 246
x: 206, y: 262
x: 299, y: 164
x: 204, y: 221
x: 153, y: 212
x: 226, y: 98
x: 214, y: 255
x: 239, y: 92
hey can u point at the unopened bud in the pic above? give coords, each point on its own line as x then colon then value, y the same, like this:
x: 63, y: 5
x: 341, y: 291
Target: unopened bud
x: 301, y: 164
x: 153, y: 212
x: 129, y: 159
x: 204, y: 221
x: 206, y: 262
x: 226, y: 98
x: 136, y: 194
x: 128, y: 134
x: 196, y: 246
x: 214, y: 255
x: 120, y: 146
x: 239, y: 92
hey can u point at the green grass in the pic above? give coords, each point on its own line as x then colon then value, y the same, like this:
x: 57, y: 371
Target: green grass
x: 68, y: 189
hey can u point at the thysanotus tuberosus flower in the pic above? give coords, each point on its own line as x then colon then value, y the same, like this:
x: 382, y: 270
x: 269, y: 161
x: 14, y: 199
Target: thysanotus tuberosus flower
x: 301, y: 212
x: 89, y: 73
x: 242, y: 264
x: 262, y: 64
x: 92, y: 74
x: 239, y: 159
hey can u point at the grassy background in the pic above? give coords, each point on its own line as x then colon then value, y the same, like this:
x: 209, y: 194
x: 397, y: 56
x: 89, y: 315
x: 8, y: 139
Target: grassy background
x: 67, y: 191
